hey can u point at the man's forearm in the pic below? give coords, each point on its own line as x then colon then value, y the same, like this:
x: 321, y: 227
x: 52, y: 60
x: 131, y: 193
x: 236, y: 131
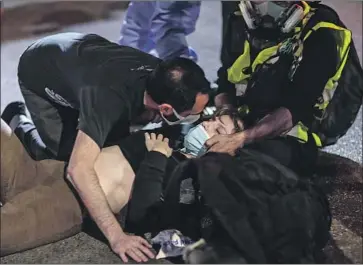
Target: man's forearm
x: 92, y: 195
x: 275, y: 124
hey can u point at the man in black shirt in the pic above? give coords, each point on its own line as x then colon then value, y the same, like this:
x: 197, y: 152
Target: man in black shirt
x: 84, y: 81
x: 83, y: 92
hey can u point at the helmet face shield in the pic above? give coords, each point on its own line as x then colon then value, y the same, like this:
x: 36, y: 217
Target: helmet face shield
x: 268, y: 8
x: 277, y: 17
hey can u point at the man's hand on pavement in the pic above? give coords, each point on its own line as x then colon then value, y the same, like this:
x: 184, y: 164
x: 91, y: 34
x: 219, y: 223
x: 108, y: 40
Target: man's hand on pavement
x: 225, y: 143
x: 135, y: 247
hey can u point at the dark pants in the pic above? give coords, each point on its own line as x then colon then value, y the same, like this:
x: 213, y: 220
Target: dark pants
x: 233, y: 39
x: 228, y: 7
x: 56, y: 127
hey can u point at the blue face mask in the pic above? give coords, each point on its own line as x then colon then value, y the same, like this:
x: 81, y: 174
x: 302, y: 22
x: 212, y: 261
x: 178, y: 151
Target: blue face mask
x: 194, y: 141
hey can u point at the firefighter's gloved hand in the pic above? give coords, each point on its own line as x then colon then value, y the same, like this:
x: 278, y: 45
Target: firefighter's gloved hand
x: 209, y: 111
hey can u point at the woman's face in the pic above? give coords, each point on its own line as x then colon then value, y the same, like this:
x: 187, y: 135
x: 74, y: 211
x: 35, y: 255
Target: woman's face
x: 220, y: 125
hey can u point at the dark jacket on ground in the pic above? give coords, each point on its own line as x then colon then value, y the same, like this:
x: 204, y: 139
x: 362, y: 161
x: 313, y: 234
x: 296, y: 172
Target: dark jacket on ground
x: 259, y: 208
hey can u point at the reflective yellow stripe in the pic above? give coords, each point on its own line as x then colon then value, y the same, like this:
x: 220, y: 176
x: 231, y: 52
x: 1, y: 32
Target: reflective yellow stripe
x: 343, y: 49
x: 324, y: 25
x: 235, y: 72
x: 264, y: 56
x: 307, y: 8
x: 317, y: 140
x: 300, y: 131
x: 243, y: 110
x: 328, y: 93
x: 322, y: 106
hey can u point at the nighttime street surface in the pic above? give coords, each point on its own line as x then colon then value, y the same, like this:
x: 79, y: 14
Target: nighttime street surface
x: 342, y: 177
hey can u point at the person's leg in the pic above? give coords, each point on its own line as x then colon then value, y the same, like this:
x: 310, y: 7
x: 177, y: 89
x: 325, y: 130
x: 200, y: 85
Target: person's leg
x: 232, y: 46
x: 135, y: 28
x: 38, y: 206
x: 228, y: 7
x: 18, y: 171
x: 173, y: 21
x: 43, y: 214
x: 15, y: 116
x: 56, y: 126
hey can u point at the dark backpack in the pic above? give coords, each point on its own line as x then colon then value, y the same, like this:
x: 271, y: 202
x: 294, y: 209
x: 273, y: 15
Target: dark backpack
x: 259, y: 209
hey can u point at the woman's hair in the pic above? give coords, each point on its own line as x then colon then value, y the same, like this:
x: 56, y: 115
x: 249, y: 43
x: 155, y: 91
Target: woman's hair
x: 233, y: 114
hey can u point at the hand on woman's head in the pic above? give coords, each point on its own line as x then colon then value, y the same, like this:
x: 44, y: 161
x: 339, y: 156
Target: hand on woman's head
x: 224, y: 122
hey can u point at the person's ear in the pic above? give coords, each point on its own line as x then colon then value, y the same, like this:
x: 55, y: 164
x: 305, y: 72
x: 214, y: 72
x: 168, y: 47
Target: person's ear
x: 166, y: 109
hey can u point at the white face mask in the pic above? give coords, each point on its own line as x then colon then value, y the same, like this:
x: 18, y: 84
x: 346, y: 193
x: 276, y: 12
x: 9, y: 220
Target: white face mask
x: 194, y: 141
x: 181, y: 120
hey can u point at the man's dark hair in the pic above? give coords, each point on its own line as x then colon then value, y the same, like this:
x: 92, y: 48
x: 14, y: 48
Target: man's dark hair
x: 177, y: 82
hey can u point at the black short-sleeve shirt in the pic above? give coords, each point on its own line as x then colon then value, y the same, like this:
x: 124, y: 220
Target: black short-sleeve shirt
x: 104, y: 81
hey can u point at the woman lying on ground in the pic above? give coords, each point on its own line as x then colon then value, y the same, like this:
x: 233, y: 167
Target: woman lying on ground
x: 40, y: 207
x: 248, y: 208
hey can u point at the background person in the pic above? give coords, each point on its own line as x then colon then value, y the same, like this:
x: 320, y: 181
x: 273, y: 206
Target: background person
x: 161, y: 27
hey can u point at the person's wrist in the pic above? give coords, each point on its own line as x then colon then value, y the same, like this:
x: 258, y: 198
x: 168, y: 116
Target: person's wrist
x: 114, y: 236
x: 241, y: 137
x: 160, y: 150
x: 115, y: 240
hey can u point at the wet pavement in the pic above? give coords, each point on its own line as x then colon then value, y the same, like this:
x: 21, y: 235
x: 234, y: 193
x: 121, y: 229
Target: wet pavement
x: 343, y: 177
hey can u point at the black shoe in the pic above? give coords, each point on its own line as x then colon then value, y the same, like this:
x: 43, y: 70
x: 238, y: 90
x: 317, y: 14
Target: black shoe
x: 12, y: 109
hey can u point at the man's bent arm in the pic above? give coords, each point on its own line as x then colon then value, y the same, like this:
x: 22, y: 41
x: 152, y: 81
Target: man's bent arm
x: 272, y: 125
x: 84, y: 178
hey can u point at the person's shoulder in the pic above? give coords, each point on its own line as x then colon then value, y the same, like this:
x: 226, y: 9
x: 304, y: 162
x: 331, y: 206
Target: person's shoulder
x: 322, y: 41
x: 131, y: 53
x: 129, y: 60
x: 323, y: 35
x: 325, y: 13
x: 116, y: 65
x: 321, y: 45
x: 61, y: 40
